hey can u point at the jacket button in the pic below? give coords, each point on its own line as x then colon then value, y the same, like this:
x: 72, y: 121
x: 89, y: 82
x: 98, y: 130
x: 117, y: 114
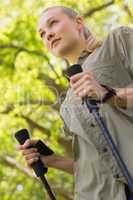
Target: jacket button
x: 92, y: 125
x: 117, y: 176
x: 105, y: 149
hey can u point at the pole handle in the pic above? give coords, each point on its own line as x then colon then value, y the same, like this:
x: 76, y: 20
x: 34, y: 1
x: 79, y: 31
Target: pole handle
x: 38, y: 167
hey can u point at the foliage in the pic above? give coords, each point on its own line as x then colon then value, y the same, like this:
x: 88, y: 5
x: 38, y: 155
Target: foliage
x: 32, y: 88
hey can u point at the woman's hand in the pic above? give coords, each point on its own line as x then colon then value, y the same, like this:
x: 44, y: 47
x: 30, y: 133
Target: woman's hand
x: 31, y: 155
x: 84, y: 84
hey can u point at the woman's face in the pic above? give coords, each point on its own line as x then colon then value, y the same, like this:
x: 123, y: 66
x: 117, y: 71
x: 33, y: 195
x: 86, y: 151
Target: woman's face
x: 59, y: 32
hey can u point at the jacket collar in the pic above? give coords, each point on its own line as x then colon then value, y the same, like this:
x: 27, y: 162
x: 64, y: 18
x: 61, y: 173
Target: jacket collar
x: 84, y: 54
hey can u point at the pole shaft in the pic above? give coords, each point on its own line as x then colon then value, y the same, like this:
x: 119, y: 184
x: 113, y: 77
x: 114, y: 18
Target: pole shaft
x: 93, y: 108
x: 47, y: 187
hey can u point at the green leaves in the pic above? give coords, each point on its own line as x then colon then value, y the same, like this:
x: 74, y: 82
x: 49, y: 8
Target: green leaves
x: 32, y: 88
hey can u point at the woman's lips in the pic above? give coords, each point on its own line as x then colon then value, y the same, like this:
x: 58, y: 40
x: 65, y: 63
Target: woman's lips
x: 55, y: 42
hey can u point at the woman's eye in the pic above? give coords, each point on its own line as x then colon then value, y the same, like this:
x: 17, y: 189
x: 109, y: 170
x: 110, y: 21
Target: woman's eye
x: 42, y: 34
x: 53, y: 22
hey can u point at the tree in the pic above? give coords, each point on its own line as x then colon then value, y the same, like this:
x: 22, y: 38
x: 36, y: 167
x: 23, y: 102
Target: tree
x: 33, y: 87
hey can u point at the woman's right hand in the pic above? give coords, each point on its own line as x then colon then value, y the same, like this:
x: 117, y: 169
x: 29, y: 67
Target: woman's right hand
x: 31, y: 154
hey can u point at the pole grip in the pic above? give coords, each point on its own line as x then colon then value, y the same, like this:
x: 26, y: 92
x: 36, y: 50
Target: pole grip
x: 38, y: 167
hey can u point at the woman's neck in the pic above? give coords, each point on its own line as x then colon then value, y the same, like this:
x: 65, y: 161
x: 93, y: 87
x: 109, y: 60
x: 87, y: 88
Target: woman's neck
x: 89, y: 44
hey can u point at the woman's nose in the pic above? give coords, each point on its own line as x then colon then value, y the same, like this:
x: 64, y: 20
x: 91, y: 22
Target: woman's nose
x: 50, y: 36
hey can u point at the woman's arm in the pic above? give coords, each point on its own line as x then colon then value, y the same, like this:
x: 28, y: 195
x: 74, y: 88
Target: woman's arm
x: 59, y: 162
x: 31, y: 155
x: 123, y: 98
x: 84, y: 84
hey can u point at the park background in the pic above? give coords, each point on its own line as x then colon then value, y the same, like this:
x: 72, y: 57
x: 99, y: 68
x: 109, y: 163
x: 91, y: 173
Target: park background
x: 32, y: 87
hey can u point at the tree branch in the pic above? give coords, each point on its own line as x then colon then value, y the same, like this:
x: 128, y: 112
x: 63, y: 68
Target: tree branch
x: 19, y: 48
x: 98, y: 8
x: 10, y: 162
x: 66, y: 143
x: 33, y: 125
x: 128, y: 11
x: 11, y: 106
x: 56, y: 89
x: 49, y: 81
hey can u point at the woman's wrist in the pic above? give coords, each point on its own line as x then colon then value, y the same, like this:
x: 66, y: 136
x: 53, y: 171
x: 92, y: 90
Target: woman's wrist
x: 120, y: 99
x: 59, y: 162
x: 49, y: 161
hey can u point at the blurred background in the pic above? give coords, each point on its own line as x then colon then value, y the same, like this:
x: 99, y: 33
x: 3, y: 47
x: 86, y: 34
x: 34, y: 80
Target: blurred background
x: 32, y: 87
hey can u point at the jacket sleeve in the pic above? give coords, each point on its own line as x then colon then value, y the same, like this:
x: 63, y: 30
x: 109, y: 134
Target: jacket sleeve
x: 126, y: 46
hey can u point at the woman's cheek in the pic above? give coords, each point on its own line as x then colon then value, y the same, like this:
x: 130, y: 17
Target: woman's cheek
x: 47, y: 45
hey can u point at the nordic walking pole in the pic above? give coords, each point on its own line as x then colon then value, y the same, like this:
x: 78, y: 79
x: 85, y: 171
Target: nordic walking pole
x: 93, y: 107
x: 38, y: 166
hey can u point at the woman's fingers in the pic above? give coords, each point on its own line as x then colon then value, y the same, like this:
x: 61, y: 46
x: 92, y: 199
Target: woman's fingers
x: 83, y: 86
x: 18, y: 147
x: 31, y: 161
x: 32, y: 156
x: 29, y: 151
x: 29, y: 143
x: 78, y: 76
x: 77, y: 81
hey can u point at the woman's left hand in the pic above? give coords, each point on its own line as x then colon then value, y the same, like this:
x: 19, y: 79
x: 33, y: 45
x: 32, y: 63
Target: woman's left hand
x: 84, y: 84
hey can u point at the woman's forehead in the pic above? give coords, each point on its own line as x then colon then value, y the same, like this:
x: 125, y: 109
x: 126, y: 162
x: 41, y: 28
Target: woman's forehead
x: 47, y: 16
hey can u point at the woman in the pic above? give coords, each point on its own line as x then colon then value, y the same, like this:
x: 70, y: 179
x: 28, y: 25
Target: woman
x: 97, y: 175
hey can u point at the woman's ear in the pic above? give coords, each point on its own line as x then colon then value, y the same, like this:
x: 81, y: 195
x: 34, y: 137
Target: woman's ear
x: 79, y: 22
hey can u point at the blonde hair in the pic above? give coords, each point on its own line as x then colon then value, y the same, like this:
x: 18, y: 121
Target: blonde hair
x: 68, y: 11
x: 73, y: 14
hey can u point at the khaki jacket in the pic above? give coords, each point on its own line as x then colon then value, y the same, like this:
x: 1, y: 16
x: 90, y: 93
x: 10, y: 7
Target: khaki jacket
x: 97, y: 176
